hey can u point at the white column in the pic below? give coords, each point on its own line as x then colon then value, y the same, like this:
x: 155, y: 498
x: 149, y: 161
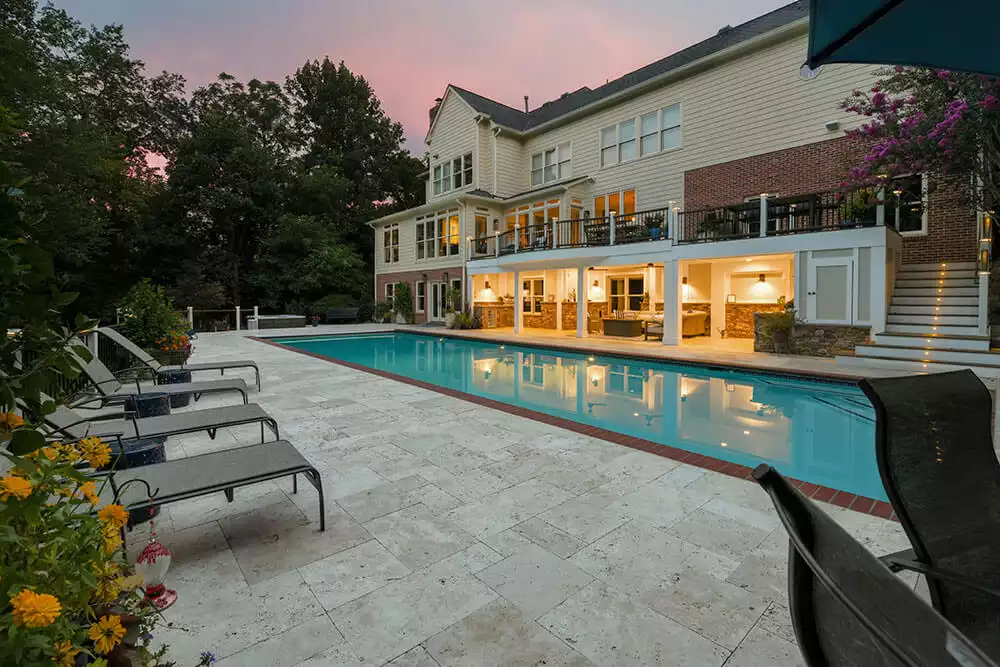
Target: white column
x: 612, y: 218
x: 879, y: 296
x: 237, y: 318
x: 469, y: 296
x: 191, y: 316
x: 581, y: 302
x: 518, y: 302
x: 517, y: 236
x: 671, y: 303
x: 983, y: 310
x: 763, y: 215
x: 560, y: 296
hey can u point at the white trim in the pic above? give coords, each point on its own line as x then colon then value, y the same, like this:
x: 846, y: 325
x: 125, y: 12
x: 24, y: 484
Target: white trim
x: 558, y: 161
x: 444, y: 98
x: 924, y: 206
x: 416, y: 296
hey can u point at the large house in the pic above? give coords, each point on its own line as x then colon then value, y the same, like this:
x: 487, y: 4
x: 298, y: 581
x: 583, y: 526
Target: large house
x: 705, y: 186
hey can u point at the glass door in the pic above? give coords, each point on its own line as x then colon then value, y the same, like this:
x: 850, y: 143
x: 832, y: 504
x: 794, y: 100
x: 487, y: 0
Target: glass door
x: 436, y: 311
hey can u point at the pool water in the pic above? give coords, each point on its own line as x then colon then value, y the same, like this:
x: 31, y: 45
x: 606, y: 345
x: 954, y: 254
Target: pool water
x: 820, y: 432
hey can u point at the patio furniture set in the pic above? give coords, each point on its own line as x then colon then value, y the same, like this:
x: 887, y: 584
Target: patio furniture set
x: 935, y: 455
x: 190, y: 477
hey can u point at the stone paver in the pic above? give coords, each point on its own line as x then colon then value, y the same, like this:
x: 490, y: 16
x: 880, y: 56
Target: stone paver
x: 461, y: 535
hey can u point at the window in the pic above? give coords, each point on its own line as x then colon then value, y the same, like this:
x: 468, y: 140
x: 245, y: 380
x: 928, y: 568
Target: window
x: 533, y: 292
x: 421, y: 296
x: 626, y: 293
x: 658, y: 131
x: 551, y: 165
x: 390, y: 290
x: 622, y: 203
x: 390, y: 243
x: 907, y: 207
x: 453, y: 174
x: 533, y: 222
x: 437, y: 234
x: 533, y: 370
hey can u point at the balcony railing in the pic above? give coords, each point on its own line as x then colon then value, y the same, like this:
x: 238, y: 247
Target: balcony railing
x: 652, y: 225
x: 799, y: 214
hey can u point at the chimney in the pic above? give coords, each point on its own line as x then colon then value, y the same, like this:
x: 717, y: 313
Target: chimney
x: 525, y: 104
x: 434, y: 110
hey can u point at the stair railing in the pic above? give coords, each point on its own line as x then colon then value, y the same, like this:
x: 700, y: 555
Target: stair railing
x: 984, y: 260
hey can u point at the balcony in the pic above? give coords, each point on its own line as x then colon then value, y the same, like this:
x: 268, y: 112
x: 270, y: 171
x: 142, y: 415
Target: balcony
x: 800, y: 214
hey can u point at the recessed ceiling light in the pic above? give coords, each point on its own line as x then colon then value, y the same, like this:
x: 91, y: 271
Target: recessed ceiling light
x: 724, y: 444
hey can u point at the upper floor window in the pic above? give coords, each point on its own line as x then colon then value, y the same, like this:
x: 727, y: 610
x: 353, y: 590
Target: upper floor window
x: 390, y: 291
x: 622, y: 203
x: 453, y: 174
x: 551, y: 165
x: 390, y: 243
x: 658, y: 130
x: 437, y: 235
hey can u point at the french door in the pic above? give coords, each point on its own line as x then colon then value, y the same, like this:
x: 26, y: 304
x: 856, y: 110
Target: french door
x: 435, y: 312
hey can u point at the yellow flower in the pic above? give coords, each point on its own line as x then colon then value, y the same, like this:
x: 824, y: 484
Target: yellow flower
x: 131, y: 582
x: 9, y: 421
x: 112, y: 540
x: 65, y: 654
x: 88, y: 491
x: 34, y: 610
x: 16, y: 487
x: 106, y: 633
x: 51, y: 453
x: 108, y: 576
x: 113, y: 515
x: 95, y: 451
x: 71, y: 453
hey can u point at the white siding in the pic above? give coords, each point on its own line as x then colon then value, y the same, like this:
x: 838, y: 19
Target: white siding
x: 752, y: 105
x: 484, y: 146
x: 513, y: 173
x: 454, y: 135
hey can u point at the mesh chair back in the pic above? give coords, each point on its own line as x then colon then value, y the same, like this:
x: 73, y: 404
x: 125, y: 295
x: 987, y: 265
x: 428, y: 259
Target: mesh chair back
x: 60, y: 420
x: 934, y: 446
x: 118, y: 339
x: 847, y: 608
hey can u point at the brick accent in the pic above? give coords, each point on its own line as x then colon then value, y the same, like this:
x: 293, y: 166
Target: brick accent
x: 822, y: 166
x: 739, y: 317
x: 413, y: 277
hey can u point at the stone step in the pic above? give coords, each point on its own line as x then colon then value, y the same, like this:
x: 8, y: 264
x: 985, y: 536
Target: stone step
x: 932, y: 309
x: 945, y: 355
x: 975, y: 343
x: 910, y: 366
x: 932, y: 266
x: 935, y: 291
x: 923, y: 329
x: 934, y: 300
x: 946, y: 283
x: 937, y: 274
x: 935, y: 320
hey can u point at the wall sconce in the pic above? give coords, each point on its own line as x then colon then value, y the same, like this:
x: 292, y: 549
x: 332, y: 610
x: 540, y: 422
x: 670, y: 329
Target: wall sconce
x: 684, y: 280
x: 496, y: 224
x: 446, y: 276
x: 730, y: 298
x: 762, y: 278
x: 423, y: 277
x: 487, y: 283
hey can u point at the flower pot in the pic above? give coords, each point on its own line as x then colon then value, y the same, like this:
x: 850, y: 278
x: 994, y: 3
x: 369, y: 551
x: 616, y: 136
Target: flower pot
x: 400, y: 318
x: 171, y: 357
x: 176, y: 377
x: 654, y: 233
x: 449, y: 320
x: 781, y: 341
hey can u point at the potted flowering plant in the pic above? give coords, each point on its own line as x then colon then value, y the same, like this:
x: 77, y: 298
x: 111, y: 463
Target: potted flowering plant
x: 149, y: 318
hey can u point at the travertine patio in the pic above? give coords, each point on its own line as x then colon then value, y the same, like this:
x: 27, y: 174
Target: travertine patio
x: 458, y: 535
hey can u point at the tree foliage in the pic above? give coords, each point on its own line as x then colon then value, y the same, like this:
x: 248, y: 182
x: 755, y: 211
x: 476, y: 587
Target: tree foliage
x: 922, y: 120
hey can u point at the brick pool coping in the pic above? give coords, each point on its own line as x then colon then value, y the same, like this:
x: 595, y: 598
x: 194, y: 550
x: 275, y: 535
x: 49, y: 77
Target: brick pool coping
x: 850, y: 501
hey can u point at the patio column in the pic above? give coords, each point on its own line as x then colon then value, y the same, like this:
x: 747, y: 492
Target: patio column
x: 879, y: 300
x: 581, y: 301
x: 560, y: 295
x: 467, y: 301
x: 671, y: 303
x: 518, y: 303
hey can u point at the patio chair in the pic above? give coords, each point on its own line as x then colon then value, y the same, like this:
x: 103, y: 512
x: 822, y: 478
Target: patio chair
x: 68, y: 423
x: 934, y: 448
x: 203, y: 474
x: 113, y: 391
x: 847, y: 608
x: 152, y: 364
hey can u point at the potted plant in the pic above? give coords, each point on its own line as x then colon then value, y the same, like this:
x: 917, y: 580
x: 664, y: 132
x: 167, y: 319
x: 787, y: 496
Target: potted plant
x: 858, y: 207
x: 453, y: 299
x: 654, y: 223
x: 402, y: 303
x: 382, y: 312
x: 778, y: 327
x: 571, y: 296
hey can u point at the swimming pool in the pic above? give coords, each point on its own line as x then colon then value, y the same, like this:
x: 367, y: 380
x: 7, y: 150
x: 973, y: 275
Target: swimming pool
x: 820, y: 432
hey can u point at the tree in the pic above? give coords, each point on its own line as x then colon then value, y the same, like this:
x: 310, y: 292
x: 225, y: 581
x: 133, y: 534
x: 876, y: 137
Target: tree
x: 931, y: 121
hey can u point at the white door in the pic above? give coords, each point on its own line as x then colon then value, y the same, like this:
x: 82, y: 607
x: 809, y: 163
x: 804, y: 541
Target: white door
x: 830, y: 295
x: 435, y: 311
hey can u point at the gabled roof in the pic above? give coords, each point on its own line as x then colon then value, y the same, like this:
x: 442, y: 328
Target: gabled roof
x: 520, y: 121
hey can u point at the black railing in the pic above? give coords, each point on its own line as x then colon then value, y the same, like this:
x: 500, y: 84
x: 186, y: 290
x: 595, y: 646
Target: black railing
x: 651, y: 225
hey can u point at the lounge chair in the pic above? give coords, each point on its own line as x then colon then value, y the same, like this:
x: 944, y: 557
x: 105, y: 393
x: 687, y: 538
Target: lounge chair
x: 68, y: 423
x: 201, y: 475
x: 849, y: 609
x: 934, y: 447
x: 113, y: 391
x: 222, y: 366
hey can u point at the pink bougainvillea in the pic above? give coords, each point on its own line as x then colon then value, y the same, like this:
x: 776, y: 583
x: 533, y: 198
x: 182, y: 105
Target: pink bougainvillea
x: 919, y: 120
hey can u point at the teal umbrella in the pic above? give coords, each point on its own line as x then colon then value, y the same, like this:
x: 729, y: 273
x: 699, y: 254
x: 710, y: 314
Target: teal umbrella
x: 957, y: 35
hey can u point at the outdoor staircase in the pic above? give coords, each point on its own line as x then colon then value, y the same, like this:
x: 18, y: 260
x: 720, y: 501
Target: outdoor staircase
x: 932, y: 324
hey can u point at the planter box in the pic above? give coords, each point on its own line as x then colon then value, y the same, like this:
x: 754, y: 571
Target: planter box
x: 280, y: 321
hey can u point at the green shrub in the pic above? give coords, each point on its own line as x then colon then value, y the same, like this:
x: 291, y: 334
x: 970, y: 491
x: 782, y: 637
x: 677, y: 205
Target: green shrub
x: 331, y: 301
x: 453, y: 300
x: 402, y: 301
x: 149, y: 318
x: 382, y: 311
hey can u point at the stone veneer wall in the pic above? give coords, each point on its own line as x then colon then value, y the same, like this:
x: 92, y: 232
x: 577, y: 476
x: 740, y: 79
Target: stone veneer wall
x: 543, y: 320
x: 597, y: 310
x: 503, y: 314
x: 740, y: 317
x: 815, y: 340
x: 702, y: 308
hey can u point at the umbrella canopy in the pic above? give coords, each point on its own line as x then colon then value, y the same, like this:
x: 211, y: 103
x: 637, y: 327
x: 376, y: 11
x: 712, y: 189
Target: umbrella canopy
x: 957, y: 35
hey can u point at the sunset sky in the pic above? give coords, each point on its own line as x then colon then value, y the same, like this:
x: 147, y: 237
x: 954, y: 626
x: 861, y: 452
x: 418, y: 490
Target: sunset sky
x: 409, y: 50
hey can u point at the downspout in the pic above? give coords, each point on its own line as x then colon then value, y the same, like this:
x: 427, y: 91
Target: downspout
x: 496, y: 133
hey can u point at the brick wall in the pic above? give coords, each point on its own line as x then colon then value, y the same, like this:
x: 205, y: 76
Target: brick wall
x: 596, y: 309
x: 740, y: 317
x: 543, y: 320
x: 413, y: 277
x: 951, y: 227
